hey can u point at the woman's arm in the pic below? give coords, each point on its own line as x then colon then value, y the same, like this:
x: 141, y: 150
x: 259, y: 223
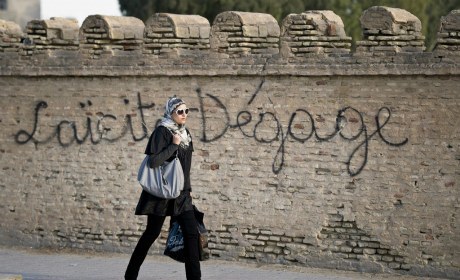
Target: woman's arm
x: 162, y: 147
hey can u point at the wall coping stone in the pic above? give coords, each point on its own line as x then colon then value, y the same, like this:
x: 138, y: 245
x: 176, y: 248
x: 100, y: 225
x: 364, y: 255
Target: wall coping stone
x: 166, y: 33
x: 448, y: 41
x: 241, y: 33
x: 320, y: 32
x: 389, y: 19
x: 118, y: 27
x: 10, y: 37
x: 183, y: 25
x: 9, y: 28
x: 390, y: 30
x: 56, y: 28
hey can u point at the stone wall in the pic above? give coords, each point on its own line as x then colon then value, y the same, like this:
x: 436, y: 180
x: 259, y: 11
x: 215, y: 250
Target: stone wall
x: 306, y: 152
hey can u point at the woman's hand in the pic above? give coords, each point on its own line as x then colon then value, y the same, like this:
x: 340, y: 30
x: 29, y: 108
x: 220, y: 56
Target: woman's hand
x: 176, y: 139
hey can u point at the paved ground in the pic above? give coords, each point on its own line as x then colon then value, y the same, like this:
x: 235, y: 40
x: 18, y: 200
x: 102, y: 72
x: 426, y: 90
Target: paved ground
x: 46, y: 265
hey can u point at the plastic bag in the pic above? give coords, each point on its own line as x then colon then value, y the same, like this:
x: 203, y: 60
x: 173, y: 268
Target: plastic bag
x: 175, y: 241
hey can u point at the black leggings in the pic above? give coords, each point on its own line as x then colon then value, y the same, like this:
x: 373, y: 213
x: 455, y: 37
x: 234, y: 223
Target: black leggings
x: 189, y: 228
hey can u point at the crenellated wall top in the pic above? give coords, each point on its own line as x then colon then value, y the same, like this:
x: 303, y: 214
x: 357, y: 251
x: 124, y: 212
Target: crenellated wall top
x: 52, y: 32
x: 253, y: 41
x: 167, y: 32
x: 390, y: 20
x: 390, y: 30
x: 242, y: 33
x: 114, y: 27
x: 9, y: 29
x: 448, y: 40
x: 313, y: 32
x: 181, y: 26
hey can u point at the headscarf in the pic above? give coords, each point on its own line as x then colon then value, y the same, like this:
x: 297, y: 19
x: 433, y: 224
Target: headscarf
x: 170, y: 124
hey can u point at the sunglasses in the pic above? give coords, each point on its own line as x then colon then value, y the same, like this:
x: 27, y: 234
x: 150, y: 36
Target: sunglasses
x: 182, y: 111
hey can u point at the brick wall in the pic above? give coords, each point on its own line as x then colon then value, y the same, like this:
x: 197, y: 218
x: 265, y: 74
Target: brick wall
x: 304, y: 155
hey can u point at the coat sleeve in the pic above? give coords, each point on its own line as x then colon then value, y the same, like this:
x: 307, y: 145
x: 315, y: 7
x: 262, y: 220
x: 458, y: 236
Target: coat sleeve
x: 160, y: 147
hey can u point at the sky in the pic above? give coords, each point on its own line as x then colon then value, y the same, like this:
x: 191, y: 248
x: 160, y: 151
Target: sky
x: 78, y: 9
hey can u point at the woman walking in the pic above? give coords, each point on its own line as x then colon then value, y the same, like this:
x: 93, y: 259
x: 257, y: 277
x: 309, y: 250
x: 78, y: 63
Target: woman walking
x: 169, y: 138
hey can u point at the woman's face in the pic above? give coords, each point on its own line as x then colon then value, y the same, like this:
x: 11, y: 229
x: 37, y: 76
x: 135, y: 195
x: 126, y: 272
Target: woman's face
x: 179, y: 115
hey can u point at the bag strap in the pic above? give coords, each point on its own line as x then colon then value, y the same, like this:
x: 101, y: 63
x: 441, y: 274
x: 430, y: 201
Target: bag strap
x: 172, y: 134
